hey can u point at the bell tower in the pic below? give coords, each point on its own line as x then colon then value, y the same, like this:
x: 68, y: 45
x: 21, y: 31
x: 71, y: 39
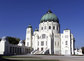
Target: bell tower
x: 29, y: 33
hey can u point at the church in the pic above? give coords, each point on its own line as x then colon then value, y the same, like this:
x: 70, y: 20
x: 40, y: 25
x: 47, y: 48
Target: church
x: 48, y: 39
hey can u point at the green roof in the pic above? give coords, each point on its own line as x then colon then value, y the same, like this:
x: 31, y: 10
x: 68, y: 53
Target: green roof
x: 49, y: 16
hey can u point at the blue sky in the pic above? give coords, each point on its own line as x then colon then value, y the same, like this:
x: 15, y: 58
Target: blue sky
x: 16, y: 15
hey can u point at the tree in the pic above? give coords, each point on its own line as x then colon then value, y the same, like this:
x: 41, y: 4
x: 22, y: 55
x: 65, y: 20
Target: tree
x: 0, y: 39
x: 13, y: 40
x: 82, y: 50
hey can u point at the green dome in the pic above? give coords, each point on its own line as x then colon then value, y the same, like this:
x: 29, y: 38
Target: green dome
x: 49, y: 16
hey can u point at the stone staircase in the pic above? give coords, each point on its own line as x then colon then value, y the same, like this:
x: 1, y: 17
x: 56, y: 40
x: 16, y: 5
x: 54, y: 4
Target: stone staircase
x: 38, y: 52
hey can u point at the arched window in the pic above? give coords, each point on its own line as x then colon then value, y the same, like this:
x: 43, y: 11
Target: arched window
x: 57, y: 27
x: 43, y: 36
x: 41, y: 28
x: 42, y: 43
x: 49, y: 27
x: 66, y: 43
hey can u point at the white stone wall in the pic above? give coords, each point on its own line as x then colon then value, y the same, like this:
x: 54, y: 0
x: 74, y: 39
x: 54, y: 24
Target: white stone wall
x: 78, y: 52
x: 72, y: 44
x: 37, y: 36
x: 9, y: 49
x: 57, y: 44
x: 2, y: 47
x: 67, y: 47
x: 35, y: 40
x: 53, y: 41
x: 47, y: 24
x: 28, y: 37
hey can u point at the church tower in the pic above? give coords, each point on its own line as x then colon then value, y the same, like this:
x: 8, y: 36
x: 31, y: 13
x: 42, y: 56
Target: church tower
x: 29, y: 32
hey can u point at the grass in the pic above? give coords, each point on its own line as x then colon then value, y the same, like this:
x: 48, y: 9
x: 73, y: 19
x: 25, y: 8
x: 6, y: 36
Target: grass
x: 18, y: 57
x: 6, y: 58
x: 39, y: 60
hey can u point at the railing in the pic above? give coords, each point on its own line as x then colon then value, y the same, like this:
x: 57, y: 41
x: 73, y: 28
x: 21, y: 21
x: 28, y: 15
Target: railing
x: 39, y: 52
x: 44, y: 52
x: 33, y: 51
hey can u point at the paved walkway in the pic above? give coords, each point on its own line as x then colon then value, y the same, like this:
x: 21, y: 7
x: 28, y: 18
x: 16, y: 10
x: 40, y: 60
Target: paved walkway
x: 47, y: 57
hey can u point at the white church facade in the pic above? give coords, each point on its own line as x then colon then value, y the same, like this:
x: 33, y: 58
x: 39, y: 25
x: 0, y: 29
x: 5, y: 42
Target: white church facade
x: 45, y: 40
x: 48, y: 39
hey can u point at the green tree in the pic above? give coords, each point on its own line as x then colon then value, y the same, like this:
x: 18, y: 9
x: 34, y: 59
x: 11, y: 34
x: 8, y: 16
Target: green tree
x: 13, y: 40
x: 82, y: 50
x: 0, y: 39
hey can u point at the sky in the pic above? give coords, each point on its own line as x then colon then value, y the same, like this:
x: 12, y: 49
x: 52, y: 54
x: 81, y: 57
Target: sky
x: 16, y: 15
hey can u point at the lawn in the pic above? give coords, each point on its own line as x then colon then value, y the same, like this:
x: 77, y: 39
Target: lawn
x: 6, y: 58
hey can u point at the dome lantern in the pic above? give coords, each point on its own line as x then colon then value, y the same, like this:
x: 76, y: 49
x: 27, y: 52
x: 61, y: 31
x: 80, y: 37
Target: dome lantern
x: 49, y: 11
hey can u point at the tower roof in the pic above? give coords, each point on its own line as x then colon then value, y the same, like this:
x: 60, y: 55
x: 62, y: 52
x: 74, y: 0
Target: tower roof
x: 49, y: 16
x: 36, y: 29
x: 29, y: 26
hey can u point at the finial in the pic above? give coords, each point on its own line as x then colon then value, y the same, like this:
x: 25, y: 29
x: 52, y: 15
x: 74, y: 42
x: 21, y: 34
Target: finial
x: 49, y: 11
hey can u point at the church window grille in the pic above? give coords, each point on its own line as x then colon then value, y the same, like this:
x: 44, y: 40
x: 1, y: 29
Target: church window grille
x: 53, y: 27
x: 49, y: 27
x: 66, y: 43
x: 42, y: 43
